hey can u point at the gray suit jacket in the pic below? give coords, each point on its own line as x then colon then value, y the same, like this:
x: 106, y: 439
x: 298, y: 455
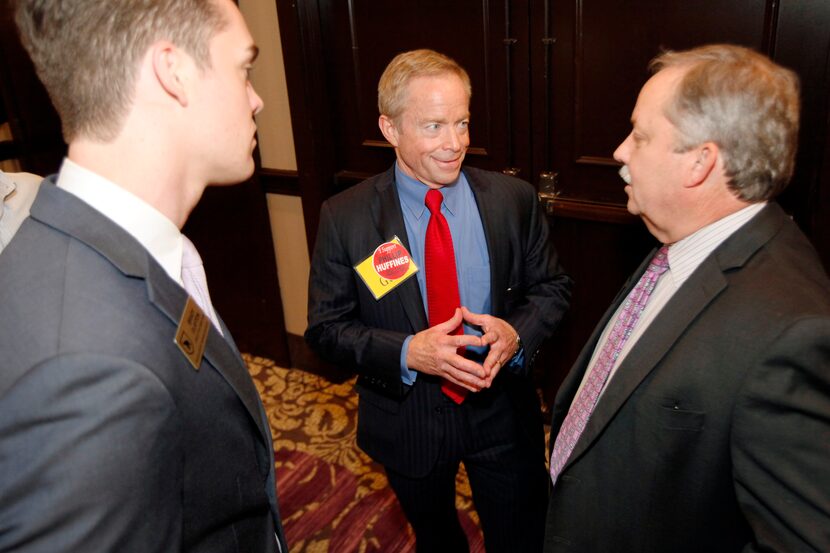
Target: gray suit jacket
x: 714, y: 434
x: 109, y: 439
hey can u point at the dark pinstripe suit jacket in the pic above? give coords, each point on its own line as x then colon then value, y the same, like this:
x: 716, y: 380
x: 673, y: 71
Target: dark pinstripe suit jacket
x: 714, y: 434
x: 348, y: 326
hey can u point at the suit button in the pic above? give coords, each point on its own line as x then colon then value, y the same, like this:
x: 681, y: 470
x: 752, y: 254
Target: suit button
x: 439, y: 410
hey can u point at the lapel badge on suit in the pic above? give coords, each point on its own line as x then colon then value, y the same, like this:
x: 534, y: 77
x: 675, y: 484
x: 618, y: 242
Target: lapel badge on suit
x: 386, y: 268
x: 192, y: 333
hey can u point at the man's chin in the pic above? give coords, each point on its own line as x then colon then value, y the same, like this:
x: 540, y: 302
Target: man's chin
x: 449, y: 177
x: 632, y: 207
x: 232, y: 179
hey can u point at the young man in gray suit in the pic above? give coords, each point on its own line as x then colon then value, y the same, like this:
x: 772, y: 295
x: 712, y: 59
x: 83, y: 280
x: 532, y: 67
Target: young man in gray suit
x: 128, y: 420
x: 699, y: 420
x: 408, y: 345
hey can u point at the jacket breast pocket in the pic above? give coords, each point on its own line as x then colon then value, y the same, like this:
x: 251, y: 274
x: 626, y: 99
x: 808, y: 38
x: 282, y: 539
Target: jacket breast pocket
x: 672, y: 417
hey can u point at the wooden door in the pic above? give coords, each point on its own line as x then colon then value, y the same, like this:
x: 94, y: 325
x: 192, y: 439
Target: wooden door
x: 554, y: 83
x: 597, y: 53
x: 335, y: 52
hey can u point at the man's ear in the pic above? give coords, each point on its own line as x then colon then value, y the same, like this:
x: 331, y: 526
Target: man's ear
x: 704, y: 160
x: 171, y: 66
x: 389, y: 129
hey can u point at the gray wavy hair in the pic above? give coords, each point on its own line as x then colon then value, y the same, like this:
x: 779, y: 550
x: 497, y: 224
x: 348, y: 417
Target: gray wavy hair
x: 743, y: 102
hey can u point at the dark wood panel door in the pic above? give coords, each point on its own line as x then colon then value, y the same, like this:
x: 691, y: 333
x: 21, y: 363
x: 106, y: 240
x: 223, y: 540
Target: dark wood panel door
x: 600, y: 57
x: 596, y: 54
x: 37, y: 144
x: 554, y: 83
x: 489, y: 39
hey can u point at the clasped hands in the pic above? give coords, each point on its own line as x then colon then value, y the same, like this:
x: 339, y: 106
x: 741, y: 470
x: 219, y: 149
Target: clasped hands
x: 435, y: 350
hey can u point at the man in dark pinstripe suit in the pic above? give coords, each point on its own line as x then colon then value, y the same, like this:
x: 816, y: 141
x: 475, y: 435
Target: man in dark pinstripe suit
x: 512, y: 293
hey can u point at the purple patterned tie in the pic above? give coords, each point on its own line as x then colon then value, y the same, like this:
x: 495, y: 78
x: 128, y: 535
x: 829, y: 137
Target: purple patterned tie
x: 583, y: 405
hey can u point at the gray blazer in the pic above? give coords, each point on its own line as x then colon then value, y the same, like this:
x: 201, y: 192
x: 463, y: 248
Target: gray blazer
x: 109, y: 439
x: 714, y: 434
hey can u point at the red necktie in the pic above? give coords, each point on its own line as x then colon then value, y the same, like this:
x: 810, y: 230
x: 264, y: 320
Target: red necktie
x: 442, y: 280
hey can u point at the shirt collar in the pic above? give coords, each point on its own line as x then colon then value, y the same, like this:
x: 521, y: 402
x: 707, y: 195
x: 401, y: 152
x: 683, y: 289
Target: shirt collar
x: 158, y: 234
x: 687, y: 254
x: 413, y: 192
x: 7, y: 186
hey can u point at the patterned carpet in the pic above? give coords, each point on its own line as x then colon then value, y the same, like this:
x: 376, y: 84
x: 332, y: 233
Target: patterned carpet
x: 333, y: 497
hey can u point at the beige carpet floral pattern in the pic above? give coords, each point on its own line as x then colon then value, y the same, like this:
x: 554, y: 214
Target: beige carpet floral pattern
x: 333, y: 497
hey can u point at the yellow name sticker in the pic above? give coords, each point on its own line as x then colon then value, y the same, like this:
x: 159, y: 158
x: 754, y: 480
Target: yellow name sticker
x: 387, y: 268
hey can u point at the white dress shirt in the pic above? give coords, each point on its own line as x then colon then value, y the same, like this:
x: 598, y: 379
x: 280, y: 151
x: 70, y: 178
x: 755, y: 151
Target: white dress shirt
x: 158, y: 234
x: 684, y: 257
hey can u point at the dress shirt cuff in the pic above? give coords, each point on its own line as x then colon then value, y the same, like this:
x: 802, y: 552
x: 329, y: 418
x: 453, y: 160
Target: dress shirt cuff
x: 408, y: 376
x: 518, y: 359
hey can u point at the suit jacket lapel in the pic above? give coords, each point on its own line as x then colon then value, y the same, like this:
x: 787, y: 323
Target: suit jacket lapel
x: 567, y: 391
x: 170, y: 299
x: 702, y: 287
x: 67, y: 213
x: 388, y: 219
x: 498, y: 246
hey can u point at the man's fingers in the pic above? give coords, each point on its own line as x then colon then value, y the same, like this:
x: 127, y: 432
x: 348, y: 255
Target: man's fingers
x: 469, y: 375
x: 491, y: 361
x: 465, y: 340
x: 476, y: 319
x: 450, y: 324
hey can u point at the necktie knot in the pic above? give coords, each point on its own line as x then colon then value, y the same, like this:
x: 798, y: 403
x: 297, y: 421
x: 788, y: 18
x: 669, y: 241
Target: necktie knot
x: 195, y: 281
x: 660, y: 262
x: 190, y: 256
x: 433, y: 201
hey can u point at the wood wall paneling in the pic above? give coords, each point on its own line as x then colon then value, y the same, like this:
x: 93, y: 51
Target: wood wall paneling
x: 802, y: 42
x: 38, y: 143
x: 554, y: 83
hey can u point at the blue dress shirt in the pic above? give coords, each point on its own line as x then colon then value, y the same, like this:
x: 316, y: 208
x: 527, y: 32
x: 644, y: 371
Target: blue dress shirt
x: 472, y: 261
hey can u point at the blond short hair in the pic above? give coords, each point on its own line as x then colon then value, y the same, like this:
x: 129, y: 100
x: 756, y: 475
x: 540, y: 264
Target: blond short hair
x: 743, y: 102
x: 394, y: 83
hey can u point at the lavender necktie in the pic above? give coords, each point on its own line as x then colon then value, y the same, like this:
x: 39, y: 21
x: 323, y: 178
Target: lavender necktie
x: 195, y: 281
x: 582, y: 407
